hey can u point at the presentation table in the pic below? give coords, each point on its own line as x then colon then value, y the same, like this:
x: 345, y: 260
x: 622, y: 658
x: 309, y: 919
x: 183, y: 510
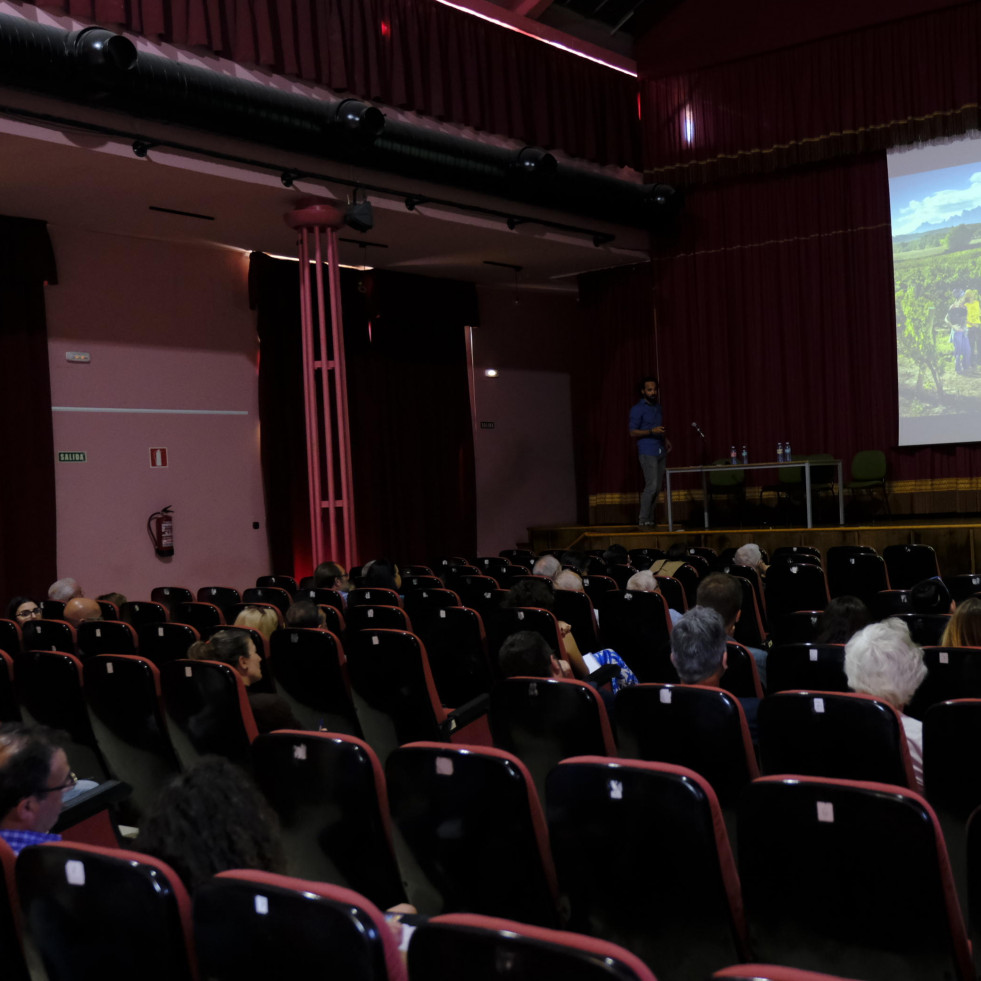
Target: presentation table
x: 805, y: 465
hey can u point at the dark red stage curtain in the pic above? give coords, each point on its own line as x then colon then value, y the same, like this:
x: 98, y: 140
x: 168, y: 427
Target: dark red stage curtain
x: 774, y: 321
x: 28, y: 524
x: 866, y: 90
x: 411, y: 54
x: 409, y: 408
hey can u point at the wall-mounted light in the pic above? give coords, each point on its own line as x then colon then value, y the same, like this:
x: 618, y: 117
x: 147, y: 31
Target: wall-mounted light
x: 491, y: 372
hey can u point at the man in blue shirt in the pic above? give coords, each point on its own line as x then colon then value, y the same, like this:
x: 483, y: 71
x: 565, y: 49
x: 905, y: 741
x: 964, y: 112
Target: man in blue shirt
x: 647, y: 427
x: 34, y: 777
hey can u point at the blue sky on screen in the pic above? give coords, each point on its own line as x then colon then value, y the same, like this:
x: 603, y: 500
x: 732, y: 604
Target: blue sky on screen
x: 934, y: 196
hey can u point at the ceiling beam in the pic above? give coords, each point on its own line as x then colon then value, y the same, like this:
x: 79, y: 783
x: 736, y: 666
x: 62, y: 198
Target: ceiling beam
x: 532, y: 9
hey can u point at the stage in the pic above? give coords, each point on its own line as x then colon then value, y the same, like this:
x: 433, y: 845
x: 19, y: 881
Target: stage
x: 956, y: 540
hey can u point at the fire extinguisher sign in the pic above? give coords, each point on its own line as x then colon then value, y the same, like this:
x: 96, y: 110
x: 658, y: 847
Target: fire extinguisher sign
x: 158, y: 456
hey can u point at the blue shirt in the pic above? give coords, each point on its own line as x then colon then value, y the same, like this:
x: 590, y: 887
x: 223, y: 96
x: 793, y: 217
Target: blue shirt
x: 646, y: 416
x: 18, y: 839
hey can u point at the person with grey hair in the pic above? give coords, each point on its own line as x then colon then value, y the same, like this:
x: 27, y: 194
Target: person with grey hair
x: 64, y: 590
x: 750, y: 556
x: 698, y: 652
x: 882, y: 660
x: 646, y: 582
x: 547, y: 566
x: 567, y: 579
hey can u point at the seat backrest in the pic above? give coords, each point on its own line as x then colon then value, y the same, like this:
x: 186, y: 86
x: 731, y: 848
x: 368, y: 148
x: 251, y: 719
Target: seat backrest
x: 380, y: 617
x: 322, y: 597
x: 163, y: 642
x: 126, y: 712
x: 637, y: 626
x: 9, y: 709
x: 753, y: 578
x: 772, y: 972
x: 576, y: 609
x: 964, y: 585
x: 595, y: 584
x: 170, y: 596
x: 751, y: 627
x: 250, y: 924
x: 695, y: 726
x: 373, y: 596
x: 741, y: 676
x: 485, y: 948
x: 671, y: 893
x: 799, y: 627
x: 94, y: 912
x: 49, y: 635
x: 11, y: 943
x: 49, y: 689
x: 868, y: 465
x: 926, y: 629
x: 280, y: 582
x: 951, y: 776
x: 393, y: 689
x: 282, y: 599
x: 492, y: 565
x: 799, y: 586
x: 834, y: 734
x: 310, y: 672
x: 504, y: 622
x: 138, y: 612
x: 909, y: 564
x: 471, y: 833
x: 890, y: 603
x: 877, y: 901
x: 673, y: 592
x: 854, y: 573
x: 458, y: 658
x: 207, y: 711
x: 105, y: 637
x: 224, y: 597
x: 10, y: 636
x: 544, y: 720
x: 820, y: 667
x: 202, y: 616
x: 329, y: 793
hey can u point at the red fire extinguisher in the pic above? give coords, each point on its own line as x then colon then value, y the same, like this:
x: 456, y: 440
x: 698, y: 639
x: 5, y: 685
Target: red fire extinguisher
x: 160, y: 528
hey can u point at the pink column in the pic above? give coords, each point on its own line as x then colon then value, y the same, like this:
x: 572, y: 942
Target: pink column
x: 332, y: 527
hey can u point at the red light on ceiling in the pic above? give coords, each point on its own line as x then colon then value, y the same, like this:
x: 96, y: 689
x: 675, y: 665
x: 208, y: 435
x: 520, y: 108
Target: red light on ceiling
x: 386, y: 30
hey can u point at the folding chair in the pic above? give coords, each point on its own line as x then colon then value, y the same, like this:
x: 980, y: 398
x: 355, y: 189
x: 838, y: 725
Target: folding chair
x: 329, y: 793
x: 851, y: 877
x: 471, y: 834
x: 93, y: 912
x: 868, y: 472
x: 484, y: 948
x: 642, y: 854
x: 250, y: 925
x: 818, y: 667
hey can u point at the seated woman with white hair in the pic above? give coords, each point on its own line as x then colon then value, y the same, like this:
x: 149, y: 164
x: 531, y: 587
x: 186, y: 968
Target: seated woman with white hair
x: 751, y: 556
x: 882, y: 660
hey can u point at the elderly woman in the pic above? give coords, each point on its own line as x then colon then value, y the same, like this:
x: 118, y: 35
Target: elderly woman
x: 883, y: 661
x: 750, y: 556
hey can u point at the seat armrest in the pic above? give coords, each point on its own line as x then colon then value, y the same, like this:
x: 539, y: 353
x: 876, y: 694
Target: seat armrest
x: 91, y: 802
x: 603, y: 675
x: 465, y: 714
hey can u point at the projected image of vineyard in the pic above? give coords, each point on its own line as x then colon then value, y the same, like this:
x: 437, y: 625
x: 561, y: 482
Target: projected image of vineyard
x: 936, y: 235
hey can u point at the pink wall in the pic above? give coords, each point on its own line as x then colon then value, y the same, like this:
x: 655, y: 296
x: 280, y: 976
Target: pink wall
x: 168, y: 327
x: 525, y: 465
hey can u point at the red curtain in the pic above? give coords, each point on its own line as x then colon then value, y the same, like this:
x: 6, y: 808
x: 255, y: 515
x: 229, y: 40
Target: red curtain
x: 27, y: 491
x: 892, y: 84
x: 412, y: 54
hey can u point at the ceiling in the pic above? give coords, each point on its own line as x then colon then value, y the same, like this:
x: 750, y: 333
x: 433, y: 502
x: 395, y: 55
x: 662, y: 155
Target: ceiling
x: 67, y: 175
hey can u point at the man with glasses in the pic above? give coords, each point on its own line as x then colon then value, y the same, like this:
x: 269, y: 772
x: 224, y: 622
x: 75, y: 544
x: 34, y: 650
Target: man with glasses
x: 35, y: 780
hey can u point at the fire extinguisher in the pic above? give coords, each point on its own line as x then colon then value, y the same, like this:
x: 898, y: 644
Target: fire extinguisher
x: 160, y: 528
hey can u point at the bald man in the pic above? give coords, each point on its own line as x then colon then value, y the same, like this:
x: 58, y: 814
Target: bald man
x: 81, y: 608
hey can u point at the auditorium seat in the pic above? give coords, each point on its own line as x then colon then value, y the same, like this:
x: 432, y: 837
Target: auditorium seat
x: 772, y: 972
x: 224, y: 597
x: 672, y: 590
x: 280, y: 598
x: 10, y: 636
x: 204, y: 617
x: 125, y: 709
x: 207, y: 712
x: 9, y: 709
x: 376, y: 617
x: 52, y: 609
x: 752, y: 626
x: 802, y: 553
x: 170, y: 596
x: 753, y: 578
x: 544, y: 720
x: 816, y: 666
x: 138, y: 612
x: 695, y: 726
x: 423, y: 605
x: 93, y: 912
x: 510, y: 620
x: 962, y: 586
x: 105, y: 637
x: 251, y: 925
x: 855, y: 570
x: 926, y: 629
x: 642, y: 855
x: 518, y: 556
x: 328, y: 791
x: 789, y: 588
x: 280, y: 582
x: 952, y: 672
x: 11, y: 940
x: 637, y: 626
x: 851, y: 877
x: 420, y: 581
x: 165, y: 641
x: 49, y: 635
x: 741, y: 676
x: 595, y: 585
x: 620, y: 574
x: 909, y: 564
x: 374, y: 596
x: 458, y: 658
x: 492, y: 565
x: 834, y: 734
x: 322, y: 597
x: 890, y: 603
x: 484, y: 948
x: 471, y: 833
x: 799, y: 627
x: 311, y: 674
x: 417, y: 570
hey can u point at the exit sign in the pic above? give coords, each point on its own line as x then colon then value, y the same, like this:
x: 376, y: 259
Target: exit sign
x: 76, y: 456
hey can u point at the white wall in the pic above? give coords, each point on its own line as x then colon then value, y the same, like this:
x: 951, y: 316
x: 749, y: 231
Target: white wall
x: 168, y: 327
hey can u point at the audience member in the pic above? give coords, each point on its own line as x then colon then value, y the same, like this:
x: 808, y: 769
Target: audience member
x: 22, y: 609
x: 964, y: 629
x: 80, y: 609
x: 616, y: 555
x: 882, y: 660
x: 575, y: 561
x: 305, y: 613
x: 236, y: 649
x: 381, y: 574
x: 548, y: 566
x: 842, y: 618
x: 750, y: 556
x: 567, y: 579
x: 117, y: 599
x: 646, y: 582
x: 332, y: 575
x: 35, y: 780
x: 63, y: 590
x: 931, y: 596
x: 265, y: 619
x: 724, y: 594
x: 210, y: 819
x: 698, y: 652
x: 677, y: 557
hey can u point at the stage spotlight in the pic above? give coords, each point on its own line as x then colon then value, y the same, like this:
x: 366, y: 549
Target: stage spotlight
x: 99, y: 49
x: 359, y: 119
x: 533, y: 161
x: 360, y: 216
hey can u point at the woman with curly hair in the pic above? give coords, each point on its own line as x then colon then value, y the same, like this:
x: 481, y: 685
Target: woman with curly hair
x: 210, y: 819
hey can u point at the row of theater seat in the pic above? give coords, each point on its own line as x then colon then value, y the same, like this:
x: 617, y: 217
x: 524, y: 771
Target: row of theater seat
x: 832, y: 875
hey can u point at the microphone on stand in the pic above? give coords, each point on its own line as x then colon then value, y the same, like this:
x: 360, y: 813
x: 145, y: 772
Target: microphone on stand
x: 698, y: 429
